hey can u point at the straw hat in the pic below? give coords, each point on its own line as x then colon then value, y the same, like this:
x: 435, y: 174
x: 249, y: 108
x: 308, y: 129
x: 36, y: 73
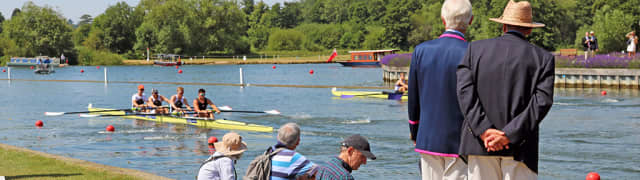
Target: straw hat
x: 231, y: 144
x: 518, y: 14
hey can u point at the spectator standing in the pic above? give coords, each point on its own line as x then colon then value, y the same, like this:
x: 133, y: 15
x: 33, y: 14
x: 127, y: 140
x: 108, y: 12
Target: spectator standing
x: 435, y: 119
x: 594, y: 43
x: 631, y: 43
x: 505, y: 89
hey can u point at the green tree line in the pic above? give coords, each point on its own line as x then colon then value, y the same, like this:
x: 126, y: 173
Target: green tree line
x: 214, y: 27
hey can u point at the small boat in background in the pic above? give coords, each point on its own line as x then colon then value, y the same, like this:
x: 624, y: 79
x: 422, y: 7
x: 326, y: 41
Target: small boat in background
x: 168, y: 60
x: 369, y: 94
x: 44, y: 68
x: 369, y: 58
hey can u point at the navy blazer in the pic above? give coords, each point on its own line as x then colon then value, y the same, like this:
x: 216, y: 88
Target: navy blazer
x: 505, y: 83
x: 434, y: 115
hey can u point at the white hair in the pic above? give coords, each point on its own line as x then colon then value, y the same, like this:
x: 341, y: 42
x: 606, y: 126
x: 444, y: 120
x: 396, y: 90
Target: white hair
x: 289, y: 134
x: 456, y: 14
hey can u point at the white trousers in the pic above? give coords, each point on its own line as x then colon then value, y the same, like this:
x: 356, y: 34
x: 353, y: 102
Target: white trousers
x: 498, y: 168
x: 442, y: 168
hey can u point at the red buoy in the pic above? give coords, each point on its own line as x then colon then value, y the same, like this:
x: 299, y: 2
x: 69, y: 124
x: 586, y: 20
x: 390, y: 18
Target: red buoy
x: 212, y: 140
x: 593, y: 176
x: 274, y: 67
x: 97, y: 67
x: 604, y: 93
x: 180, y: 71
x: 177, y: 66
x: 31, y: 67
x: 110, y: 128
x: 311, y: 71
x: 81, y: 70
x: 39, y: 123
x: 4, y: 70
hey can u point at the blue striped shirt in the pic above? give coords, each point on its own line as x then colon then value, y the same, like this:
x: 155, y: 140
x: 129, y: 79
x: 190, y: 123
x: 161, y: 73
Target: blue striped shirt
x: 288, y: 164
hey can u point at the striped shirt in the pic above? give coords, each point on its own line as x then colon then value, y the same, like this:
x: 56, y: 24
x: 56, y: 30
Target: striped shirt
x: 288, y: 164
x: 334, y: 170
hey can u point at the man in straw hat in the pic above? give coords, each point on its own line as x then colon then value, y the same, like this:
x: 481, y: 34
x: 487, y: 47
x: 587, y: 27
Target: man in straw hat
x: 221, y: 164
x: 435, y: 119
x: 505, y: 89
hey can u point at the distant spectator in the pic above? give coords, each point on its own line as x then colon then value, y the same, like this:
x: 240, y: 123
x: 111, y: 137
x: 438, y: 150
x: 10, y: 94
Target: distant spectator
x: 354, y: 152
x: 220, y: 166
x: 631, y: 43
x: 288, y: 164
x: 586, y: 44
x: 401, y: 84
x: 594, y: 43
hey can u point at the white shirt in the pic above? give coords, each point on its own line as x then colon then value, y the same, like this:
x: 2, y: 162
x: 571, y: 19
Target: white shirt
x: 136, y: 97
x: 219, y: 169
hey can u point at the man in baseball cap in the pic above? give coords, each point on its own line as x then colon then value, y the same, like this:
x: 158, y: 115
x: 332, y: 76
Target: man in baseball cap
x: 354, y: 152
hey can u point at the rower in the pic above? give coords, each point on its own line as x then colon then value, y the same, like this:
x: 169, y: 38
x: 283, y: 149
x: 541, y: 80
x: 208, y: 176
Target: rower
x: 179, y: 100
x: 200, y: 105
x: 138, y: 99
x: 401, y: 85
x: 155, y: 102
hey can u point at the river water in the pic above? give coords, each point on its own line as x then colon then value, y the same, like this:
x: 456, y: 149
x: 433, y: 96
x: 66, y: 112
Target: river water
x: 583, y: 132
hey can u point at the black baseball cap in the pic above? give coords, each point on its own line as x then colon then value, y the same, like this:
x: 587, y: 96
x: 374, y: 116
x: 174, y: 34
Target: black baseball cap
x: 360, y: 143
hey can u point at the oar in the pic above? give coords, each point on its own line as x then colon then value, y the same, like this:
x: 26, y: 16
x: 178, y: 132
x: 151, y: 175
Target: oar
x: 274, y: 112
x: 80, y: 112
x: 351, y: 96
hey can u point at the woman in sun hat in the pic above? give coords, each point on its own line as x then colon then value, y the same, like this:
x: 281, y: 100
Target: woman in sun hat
x: 221, y: 165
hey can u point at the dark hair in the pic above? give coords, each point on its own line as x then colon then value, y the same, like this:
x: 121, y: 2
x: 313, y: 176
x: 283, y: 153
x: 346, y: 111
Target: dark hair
x: 200, y: 90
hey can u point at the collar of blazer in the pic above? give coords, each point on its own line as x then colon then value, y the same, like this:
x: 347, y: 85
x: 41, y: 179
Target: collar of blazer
x: 516, y: 34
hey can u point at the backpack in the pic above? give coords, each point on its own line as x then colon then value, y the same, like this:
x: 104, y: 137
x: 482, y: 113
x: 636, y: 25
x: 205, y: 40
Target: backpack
x: 260, y: 167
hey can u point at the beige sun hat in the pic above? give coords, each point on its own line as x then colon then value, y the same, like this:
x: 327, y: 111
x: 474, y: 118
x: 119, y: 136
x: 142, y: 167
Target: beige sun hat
x: 231, y: 144
x: 518, y: 14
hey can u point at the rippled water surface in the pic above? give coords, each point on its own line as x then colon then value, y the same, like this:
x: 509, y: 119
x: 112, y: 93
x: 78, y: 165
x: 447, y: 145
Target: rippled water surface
x: 583, y: 132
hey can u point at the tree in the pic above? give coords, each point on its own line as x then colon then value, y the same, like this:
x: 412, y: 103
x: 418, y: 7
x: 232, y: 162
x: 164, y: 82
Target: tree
x: 15, y: 12
x: 247, y: 6
x: 85, y: 19
x: 1, y: 20
x: 118, y: 24
x: 286, y: 39
x: 40, y: 31
x: 610, y: 26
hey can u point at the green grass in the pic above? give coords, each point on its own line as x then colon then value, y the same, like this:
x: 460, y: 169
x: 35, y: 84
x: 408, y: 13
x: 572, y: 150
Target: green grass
x: 24, y: 165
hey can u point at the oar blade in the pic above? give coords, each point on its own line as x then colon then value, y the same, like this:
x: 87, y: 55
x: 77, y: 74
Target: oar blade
x: 274, y: 112
x: 53, y: 113
x: 225, y: 108
x: 88, y: 115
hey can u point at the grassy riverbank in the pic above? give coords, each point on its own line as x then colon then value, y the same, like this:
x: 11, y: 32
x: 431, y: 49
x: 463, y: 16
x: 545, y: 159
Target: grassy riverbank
x: 20, y: 163
x: 238, y: 60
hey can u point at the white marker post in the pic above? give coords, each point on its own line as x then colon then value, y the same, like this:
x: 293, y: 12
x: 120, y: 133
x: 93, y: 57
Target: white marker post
x: 244, y: 58
x: 105, y: 75
x: 241, y: 78
x: 9, y: 73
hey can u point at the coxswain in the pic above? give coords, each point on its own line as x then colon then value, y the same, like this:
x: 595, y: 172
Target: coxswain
x: 179, y: 101
x: 200, y: 105
x: 138, y: 99
x: 401, y: 85
x: 155, y: 102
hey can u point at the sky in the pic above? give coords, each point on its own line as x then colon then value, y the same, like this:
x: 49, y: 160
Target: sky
x: 73, y: 9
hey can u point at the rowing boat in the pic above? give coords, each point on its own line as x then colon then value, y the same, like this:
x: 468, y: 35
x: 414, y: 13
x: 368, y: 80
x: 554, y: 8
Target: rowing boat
x: 368, y: 94
x: 195, y: 121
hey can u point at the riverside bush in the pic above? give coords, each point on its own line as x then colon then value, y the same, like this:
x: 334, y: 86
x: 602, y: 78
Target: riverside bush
x: 88, y: 56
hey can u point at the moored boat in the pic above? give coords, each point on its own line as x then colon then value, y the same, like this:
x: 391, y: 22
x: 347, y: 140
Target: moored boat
x: 166, y: 63
x: 369, y: 94
x: 369, y: 58
x: 195, y: 121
